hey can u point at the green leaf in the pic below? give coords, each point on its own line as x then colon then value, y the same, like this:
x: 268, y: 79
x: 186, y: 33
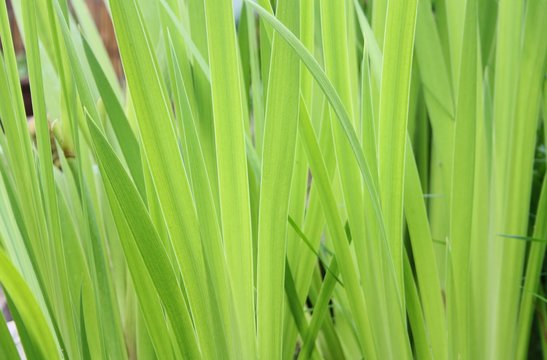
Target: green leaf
x: 125, y: 135
x: 220, y: 282
x: 151, y: 249
x: 334, y: 100
x: 235, y: 213
x: 393, y: 118
x: 336, y: 229
x: 7, y: 345
x: 160, y: 145
x: 280, y: 132
x: 425, y: 263
x: 533, y: 272
x: 461, y: 214
x: 30, y: 312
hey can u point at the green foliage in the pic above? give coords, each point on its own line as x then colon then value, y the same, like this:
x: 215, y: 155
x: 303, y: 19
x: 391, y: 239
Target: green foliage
x: 324, y: 179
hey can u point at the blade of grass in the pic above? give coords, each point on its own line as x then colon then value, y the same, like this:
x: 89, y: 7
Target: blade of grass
x: 532, y: 275
x: 86, y: 22
x: 202, y: 88
x: 64, y: 303
x: 149, y: 301
x: 335, y: 36
x: 322, y: 303
x: 393, y: 118
x: 508, y: 269
x: 86, y: 355
x: 165, y: 162
x: 342, y: 249
x: 205, y: 206
x: 458, y: 293
x: 509, y: 29
x: 299, y: 187
x: 422, y: 343
x: 20, y: 152
x: 30, y: 348
x: 424, y: 258
x: 231, y: 163
x: 29, y: 310
x: 429, y: 55
x: 126, y: 137
x: 306, y: 241
x: 320, y: 311
x: 333, y: 98
x: 196, y: 53
x: 7, y: 345
x: 371, y: 45
x: 256, y: 82
x: 280, y: 129
x: 294, y: 304
x: 152, y: 251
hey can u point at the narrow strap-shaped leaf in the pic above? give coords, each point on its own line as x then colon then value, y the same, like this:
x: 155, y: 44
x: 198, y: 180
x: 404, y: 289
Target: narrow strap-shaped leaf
x: 64, y: 303
x: 280, y: 132
x: 336, y: 229
x: 320, y: 311
x: 82, y: 86
x: 85, y: 20
x: 378, y: 16
x: 220, y: 282
x: 256, y: 83
x: 309, y: 245
x: 429, y: 56
x: 235, y: 213
x: 294, y: 304
x: 7, y: 345
x: 197, y: 27
x: 415, y: 314
x: 147, y: 240
x: 160, y: 145
x: 19, y: 150
x: 30, y: 348
x: 519, y: 175
x: 28, y: 309
x: 42, y: 127
x: 198, y: 56
x: 109, y: 315
x: 424, y: 258
x: 125, y: 135
x: 86, y: 355
x: 394, y: 101
x: 300, y: 179
x: 509, y: 34
x: 461, y: 215
x: 335, y: 35
x: 371, y: 44
x: 150, y: 303
x: 542, y: 315
x: 333, y: 98
x: 532, y: 276
x: 321, y: 307
x: 322, y: 303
